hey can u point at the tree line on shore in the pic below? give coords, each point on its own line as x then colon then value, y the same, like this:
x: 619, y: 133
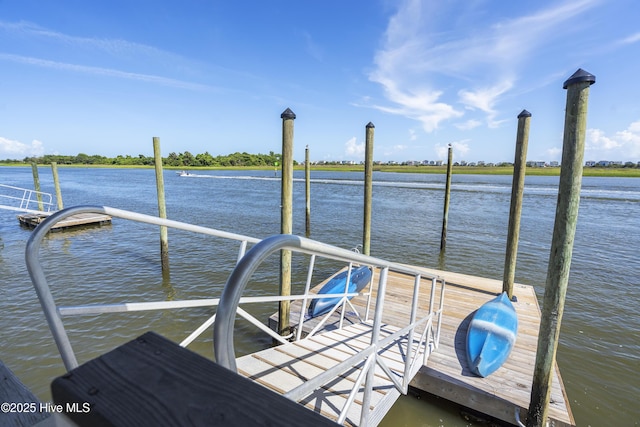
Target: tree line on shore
x: 185, y: 159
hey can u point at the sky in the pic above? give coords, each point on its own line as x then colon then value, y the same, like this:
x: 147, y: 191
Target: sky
x: 105, y: 77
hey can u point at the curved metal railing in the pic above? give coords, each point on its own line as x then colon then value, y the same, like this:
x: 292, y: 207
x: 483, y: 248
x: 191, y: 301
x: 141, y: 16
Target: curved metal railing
x: 426, y: 327
x: 25, y: 200
x: 368, y: 358
x: 54, y: 313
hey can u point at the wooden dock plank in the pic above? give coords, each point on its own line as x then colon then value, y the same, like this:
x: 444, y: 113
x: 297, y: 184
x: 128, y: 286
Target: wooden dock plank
x: 12, y: 391
x: 152, y: 381
x: 84, y: 219
x: 446, y: 373
x: 284, y: 367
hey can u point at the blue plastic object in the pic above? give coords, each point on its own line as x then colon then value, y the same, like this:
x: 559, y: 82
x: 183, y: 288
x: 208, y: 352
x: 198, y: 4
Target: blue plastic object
x: 360, y: 277
x: 491, y: 335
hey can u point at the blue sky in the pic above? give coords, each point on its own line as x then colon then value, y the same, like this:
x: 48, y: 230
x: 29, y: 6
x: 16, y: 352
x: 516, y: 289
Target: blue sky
x: 105, y: 77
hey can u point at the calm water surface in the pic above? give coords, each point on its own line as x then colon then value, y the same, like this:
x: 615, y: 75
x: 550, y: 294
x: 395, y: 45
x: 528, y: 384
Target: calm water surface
x: 599, y: 350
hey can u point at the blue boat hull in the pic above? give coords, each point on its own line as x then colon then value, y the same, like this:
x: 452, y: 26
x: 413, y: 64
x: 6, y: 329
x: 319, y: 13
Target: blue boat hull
x: 360, y: 277
x: 491, y: 335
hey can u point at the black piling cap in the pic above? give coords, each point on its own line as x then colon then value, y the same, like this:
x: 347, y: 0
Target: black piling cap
x: 370, y: 125
x: 524, y: 113
x: 288, y: 114
x: 580, y: 76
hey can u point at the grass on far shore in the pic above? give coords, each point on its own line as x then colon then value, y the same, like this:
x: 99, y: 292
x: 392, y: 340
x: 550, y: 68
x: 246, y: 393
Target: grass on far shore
x: 467, y: 170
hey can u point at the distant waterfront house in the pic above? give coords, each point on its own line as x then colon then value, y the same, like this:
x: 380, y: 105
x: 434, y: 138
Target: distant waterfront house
x: 536, y: 164
x: 554, y: 164
x: 609, y: 163
x: 590, y: 163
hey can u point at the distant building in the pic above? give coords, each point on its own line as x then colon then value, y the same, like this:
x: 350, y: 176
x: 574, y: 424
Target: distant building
x: 536, y: 164
x: 590, y: 163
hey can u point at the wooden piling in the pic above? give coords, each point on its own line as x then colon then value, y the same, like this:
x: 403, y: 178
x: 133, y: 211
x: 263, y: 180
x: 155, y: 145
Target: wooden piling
x: 517, y: 192
x: 368, y: 188
x: 56, y: 184
x: 562, y: 243
x: 307, y: 192
x: 162, y: 208
x: 36, y: 185
x: 286, y: 215
x: 447, y: 193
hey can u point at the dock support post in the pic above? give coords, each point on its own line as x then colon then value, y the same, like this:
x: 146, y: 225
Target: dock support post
x: 36, y: 185
x: 368, y: 188
x: 286, y: 216
x: 307, y: 192
x: 56, y: 184
x: 517, y: 193
x: 562, y: 243
x: 162, y: 208
x: 447, y: 192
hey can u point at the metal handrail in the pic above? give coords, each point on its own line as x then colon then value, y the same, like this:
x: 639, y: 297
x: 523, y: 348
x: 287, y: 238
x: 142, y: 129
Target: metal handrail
x: 28, y: 198
x: 369, y: 357
x: 228, y: 303
x: 54, y: 313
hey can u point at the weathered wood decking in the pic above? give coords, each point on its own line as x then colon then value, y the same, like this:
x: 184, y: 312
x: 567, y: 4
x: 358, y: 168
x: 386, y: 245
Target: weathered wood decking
x: 446, y: 374
x: 12, y: 391
x: 285, y: 367
x: 32, y: 220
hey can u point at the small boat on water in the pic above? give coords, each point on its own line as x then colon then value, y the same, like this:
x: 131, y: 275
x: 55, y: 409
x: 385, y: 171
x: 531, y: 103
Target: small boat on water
x: 491, y: 335
x: 360, y: 277
x: 184, y: 173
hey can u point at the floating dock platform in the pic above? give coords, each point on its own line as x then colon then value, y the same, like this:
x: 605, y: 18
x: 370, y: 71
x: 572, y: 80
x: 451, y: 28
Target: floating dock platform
x: 446, y: 374
x: 509, y: 388
x: 32, y: 220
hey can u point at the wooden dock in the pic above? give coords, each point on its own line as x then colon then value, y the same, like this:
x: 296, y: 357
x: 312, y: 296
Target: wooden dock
x: 446, y: 374
x: 285, y: 367
x: 32, y: 220
x: 12, y: 391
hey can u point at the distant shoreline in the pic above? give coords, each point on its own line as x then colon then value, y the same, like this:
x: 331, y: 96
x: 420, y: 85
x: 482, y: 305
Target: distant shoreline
x: 460, y: 170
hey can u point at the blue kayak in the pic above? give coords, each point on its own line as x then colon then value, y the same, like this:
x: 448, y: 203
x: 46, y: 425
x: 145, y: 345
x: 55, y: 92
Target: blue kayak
x: 491, y: 335
x: 360, y: 277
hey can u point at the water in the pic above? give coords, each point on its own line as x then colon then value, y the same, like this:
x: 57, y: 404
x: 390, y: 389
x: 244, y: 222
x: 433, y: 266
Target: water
x: 599, y: 349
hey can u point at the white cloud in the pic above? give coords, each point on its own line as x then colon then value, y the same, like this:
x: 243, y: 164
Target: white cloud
x: 633, y: 38
x: 114, y: 47
x: 469, y: 124
x: 623, y: 146
x: 105, y: 72
x: 460, y: 149
x: 352, y: 148
x: 412, y: 135
x: 485, y: 99
x: 11, y: 149
x: 418, y: 51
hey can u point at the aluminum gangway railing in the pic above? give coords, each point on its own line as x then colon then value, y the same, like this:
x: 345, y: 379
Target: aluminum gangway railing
x: 25, y: 200
x: 424, y: 329
x: 426, y: 326
x: 54, y: 313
